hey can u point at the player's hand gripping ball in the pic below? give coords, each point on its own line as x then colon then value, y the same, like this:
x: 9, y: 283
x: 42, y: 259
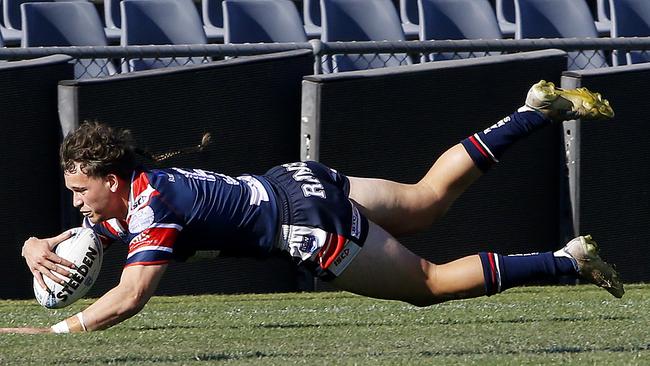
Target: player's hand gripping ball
x: 85, y: 250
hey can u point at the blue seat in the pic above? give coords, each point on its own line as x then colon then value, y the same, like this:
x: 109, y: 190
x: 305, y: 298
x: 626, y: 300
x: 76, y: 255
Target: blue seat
x: 505, y: 11
x: 160, y: 22
x: 603, y: 22
x: 361, y: 20
x: 10, y: 36
x: 630, y: 18
x: 11, y: 11
x: 212, y: 14
x: 559, y: 19
x: 112, y: 20
x: 268, y: 21
x: 311, y: 18
x: 408, y: 13
x: 66, y: 24
x: 457, y: 19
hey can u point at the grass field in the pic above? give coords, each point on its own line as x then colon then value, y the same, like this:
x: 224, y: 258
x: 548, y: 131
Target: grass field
x: 534, y: 325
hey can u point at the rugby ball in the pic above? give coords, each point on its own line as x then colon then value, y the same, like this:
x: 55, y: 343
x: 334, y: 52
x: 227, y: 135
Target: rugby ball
x: 85, y: 250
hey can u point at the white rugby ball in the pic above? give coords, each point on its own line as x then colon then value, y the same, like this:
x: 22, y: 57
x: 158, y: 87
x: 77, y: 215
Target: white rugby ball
x: 85, y: 250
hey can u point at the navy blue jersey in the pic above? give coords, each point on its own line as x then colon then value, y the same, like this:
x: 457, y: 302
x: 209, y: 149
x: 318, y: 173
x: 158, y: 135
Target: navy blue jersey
x: 173, y: 213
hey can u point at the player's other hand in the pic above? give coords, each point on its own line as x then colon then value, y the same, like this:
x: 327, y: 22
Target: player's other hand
x: 42, y: 261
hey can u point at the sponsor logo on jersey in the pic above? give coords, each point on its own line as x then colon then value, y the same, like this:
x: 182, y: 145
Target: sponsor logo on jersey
x: 356, y: 223
x: 344, y: 258
x: 141, y: 219
x: 143, y: 198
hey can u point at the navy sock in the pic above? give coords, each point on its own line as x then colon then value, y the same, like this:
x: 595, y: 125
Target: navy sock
x: 505, y: 271
x: 487, y: 146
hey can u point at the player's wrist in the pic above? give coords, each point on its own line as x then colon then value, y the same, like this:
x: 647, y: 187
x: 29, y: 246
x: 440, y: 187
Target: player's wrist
x: 73, y: 324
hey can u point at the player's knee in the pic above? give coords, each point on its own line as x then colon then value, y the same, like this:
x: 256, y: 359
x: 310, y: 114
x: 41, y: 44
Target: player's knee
x: 431, y: 292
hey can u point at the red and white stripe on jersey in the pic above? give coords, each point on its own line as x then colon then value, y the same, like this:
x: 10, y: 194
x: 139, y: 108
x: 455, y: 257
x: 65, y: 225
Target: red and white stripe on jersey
x: 154, y: 245
x: 141, y: 192
x: 113, y: 229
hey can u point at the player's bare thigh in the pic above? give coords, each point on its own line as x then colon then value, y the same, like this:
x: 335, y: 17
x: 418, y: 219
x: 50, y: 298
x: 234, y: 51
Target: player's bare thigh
x: 397, y: 207
x: 385, y: 269
x: 408, y: 208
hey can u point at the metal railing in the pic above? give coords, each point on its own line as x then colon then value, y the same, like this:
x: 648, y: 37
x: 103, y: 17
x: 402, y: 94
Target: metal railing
x: 340, y: 56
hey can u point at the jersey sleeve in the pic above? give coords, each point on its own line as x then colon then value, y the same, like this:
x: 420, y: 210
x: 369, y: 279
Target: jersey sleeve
x: 105, y: 230
x: 155, y: 227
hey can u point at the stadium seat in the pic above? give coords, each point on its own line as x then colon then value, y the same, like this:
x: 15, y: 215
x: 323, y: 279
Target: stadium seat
x: 160, y: 22
x: 603, y: 22
x: 630, y: 18
x: 457, y: 19
x: 212, y: 14
x: 311, y: 18
x: 112, y: 20
x: 267, y: 21
x: 361, y: 20
x: 10, y: 36
x: 559, y: 19
x: 11, y: 11
x: 408, y: 13
x: 505, y: 11
x: 66, y: 24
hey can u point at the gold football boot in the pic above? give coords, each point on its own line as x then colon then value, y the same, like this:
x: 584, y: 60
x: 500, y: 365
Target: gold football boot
x: 564, y: 104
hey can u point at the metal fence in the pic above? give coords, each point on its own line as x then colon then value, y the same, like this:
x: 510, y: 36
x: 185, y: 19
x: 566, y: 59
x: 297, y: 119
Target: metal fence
x: 583, y: 53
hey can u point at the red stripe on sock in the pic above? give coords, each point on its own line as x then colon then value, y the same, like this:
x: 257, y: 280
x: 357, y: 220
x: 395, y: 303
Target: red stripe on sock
x: 493, y: 268
x: 478, y: 147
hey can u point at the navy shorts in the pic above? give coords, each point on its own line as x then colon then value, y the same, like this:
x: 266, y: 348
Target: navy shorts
x: 321, y: 228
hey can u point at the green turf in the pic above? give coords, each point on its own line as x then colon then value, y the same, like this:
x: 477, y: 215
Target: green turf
x: 534, y: 325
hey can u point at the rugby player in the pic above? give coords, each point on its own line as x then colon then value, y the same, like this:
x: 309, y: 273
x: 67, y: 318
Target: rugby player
x: 341, y: 228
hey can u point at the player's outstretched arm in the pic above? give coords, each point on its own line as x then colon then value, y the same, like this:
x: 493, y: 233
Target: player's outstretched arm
x: 42, y: 261
x: 136, y: 287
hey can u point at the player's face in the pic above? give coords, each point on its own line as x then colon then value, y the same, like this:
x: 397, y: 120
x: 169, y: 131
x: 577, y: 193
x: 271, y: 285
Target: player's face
x: 96, y: 198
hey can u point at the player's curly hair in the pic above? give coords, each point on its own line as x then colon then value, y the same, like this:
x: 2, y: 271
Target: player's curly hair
x: 100, y: 150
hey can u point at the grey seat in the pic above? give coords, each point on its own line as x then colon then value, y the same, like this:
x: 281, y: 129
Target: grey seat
x: 311, y: 18
x: 160, y: 22
x: 630, y: 18
x: 505, y: 11
x: 67, y: 24
x: 267, y: 21
x: 212, y: 14
x: 361, y: 20
x: 559, y: 19
x: 408, y: 13
x: 603, y: 19
x: 457, y: 19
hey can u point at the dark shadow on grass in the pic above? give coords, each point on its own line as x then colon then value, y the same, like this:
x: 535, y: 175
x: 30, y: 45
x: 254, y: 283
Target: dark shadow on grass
x: 543, y: 351
x: 129, y: 360
x: 439, y: 322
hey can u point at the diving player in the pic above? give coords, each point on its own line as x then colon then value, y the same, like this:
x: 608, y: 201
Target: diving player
x: 339, y: 227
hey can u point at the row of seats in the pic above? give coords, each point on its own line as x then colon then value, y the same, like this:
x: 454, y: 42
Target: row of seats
x: 77, y: 23
x: 213, y: 18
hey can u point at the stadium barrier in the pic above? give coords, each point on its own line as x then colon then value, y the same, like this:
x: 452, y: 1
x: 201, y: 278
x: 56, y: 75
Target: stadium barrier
x: 608, y: 168
x: 251, y: 107
x: 415, y: 51
x: 30, y: 187
x: 393, y: 122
